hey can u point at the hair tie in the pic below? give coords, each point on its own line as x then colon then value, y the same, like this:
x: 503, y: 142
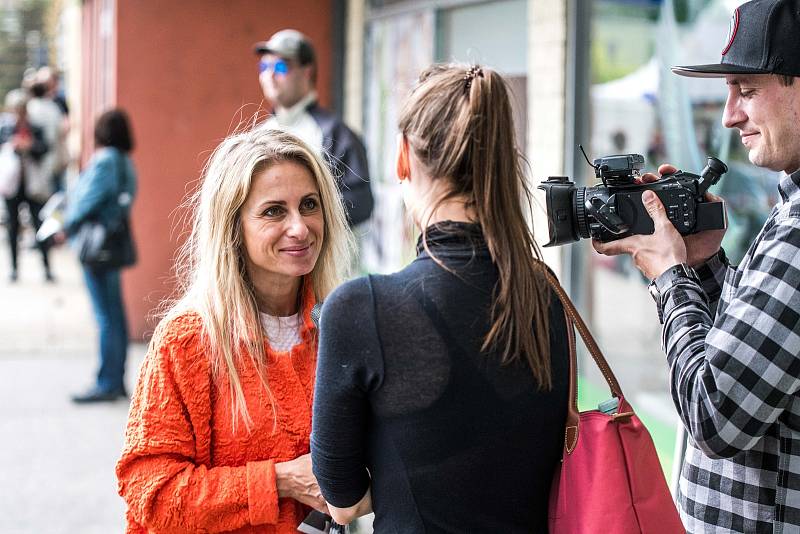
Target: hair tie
x: 472, y: 73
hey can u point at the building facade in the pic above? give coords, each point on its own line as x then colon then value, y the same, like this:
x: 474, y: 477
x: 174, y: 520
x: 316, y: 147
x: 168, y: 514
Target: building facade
x: 594, y: 73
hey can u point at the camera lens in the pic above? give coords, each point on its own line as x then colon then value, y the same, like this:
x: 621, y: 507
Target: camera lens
x: 560, y: 196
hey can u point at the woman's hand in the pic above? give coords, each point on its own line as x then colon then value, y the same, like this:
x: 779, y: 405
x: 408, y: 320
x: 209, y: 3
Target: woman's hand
x: 295, y: 480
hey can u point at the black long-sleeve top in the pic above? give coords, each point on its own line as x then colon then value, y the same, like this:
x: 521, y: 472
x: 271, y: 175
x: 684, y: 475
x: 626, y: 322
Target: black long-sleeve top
x: 448, y: 439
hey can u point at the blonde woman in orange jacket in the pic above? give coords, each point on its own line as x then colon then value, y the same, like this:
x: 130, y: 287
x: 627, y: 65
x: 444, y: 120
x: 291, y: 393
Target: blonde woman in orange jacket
x: 218, y: 432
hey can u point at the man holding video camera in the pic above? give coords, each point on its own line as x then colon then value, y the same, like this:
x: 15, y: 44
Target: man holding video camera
x: 732, y: 334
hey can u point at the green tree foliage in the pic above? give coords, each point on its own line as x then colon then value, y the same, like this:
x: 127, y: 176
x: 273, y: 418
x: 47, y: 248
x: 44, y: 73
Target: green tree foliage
x: 21, y: 41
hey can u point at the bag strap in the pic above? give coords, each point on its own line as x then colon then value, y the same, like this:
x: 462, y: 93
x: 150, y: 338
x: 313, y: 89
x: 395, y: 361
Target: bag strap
x: 574, y: 320
x: 122, y: 181
x: 122, y: 175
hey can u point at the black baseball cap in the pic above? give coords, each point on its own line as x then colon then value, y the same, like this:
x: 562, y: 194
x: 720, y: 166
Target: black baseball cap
x: 763, y: 38
x: 289, y: 44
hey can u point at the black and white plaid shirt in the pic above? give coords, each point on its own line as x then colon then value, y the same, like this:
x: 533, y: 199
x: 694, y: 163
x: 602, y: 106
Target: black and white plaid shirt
x: 735, y: 377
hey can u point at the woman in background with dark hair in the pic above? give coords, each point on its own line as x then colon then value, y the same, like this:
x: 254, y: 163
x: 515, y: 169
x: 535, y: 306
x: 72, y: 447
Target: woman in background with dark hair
x: 104, y: 192
x: 441, y: 392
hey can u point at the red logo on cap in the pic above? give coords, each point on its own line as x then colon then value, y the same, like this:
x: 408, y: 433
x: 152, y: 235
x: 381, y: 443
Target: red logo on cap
x: 734, y: 26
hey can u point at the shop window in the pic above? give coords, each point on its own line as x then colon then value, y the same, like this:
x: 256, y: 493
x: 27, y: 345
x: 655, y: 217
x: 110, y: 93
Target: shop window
x: 404, y: 37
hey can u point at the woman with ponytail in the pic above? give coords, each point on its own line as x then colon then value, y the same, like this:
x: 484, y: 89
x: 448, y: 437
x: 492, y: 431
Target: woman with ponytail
x: 441, y: 390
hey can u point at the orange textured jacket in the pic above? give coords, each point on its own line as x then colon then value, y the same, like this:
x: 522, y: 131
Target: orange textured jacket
x: 183, y: 468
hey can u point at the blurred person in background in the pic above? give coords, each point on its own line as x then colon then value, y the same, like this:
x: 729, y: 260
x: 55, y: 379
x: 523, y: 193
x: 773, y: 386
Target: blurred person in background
x: 52, y: 80
x: 33, y: 187
x: 218, y: 433
x: 441, y: 393
x: 104, y: 192
x: 288, y: 74
x: 49, y: 110
x: 45, y: 113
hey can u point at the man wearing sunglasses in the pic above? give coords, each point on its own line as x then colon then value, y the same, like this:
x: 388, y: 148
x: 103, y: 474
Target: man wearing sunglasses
x: 287, y: 74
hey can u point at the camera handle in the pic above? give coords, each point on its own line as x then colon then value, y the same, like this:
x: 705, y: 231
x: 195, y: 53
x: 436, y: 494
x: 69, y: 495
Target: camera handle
x: 602, y: 213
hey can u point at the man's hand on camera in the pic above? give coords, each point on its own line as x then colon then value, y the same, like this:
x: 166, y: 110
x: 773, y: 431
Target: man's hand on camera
x: 652, y: 254
x: 649, y: 177
x: 702, y: 245
x: 699, y: 246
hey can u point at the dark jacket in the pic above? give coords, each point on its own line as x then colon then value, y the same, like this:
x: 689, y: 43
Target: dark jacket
x: 347, y: 159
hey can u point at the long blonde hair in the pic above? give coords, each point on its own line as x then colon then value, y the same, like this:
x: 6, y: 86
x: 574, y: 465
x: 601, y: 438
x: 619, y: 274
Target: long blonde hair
x: 458, y: 122
x: 211, y: 271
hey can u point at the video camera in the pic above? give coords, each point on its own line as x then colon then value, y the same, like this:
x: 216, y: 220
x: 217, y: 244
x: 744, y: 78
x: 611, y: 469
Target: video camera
x: 614, y: 209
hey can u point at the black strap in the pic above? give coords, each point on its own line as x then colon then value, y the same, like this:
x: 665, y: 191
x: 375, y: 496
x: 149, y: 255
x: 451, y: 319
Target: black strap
x: 122, y: 181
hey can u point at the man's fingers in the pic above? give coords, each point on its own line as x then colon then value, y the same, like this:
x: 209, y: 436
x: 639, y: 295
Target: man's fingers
x: 655, y: 208
x: 613, y: 248
x: 647, y: 178
x: 666, y: 168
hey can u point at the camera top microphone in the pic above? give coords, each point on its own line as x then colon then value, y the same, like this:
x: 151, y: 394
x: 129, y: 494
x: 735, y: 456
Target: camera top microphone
x: 618, y: 168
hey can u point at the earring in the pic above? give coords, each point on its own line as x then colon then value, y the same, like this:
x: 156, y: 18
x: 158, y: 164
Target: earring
x: 402, y: 172
x: 403, y: 167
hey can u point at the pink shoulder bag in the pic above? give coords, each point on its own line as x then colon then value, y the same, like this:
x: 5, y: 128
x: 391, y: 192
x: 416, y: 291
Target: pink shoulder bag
x: 610, y: 479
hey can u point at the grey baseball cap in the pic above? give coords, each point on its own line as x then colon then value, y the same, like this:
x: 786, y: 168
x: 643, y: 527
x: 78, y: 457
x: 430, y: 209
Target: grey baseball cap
x: 289, y: 44
x: 763, y: 38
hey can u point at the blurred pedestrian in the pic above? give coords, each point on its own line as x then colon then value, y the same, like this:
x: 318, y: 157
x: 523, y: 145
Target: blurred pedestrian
x: 52, y: 80
x: 441, y: 393
x: 32, y: 188
x: 104, y: 193
x: 45, y: 112
x: 218, y: 432
x: 288, y: 75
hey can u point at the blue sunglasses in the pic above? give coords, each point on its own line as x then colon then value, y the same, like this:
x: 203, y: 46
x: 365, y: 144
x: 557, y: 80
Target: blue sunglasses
x: 279, y: 66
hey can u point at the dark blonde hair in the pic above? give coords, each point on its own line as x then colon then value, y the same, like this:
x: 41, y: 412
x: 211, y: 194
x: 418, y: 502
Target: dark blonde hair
x: 459, y: 124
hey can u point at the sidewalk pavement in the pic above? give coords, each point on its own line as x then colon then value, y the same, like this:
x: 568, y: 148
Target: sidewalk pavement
x: 56, y: 458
